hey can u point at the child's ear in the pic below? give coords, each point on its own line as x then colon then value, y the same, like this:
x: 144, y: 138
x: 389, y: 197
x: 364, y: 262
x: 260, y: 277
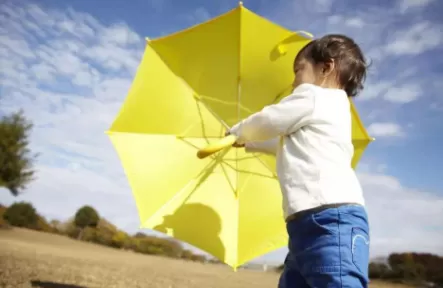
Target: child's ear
x: 328, y: 67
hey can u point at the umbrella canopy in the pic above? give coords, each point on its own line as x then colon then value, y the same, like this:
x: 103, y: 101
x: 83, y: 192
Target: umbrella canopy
x: 189, y: 88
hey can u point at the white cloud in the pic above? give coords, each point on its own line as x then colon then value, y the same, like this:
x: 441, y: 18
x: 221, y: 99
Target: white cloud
x: 120, y: 34
x: 403, y: 94
x: 43, y: 72
x: 405, y: 5
x: 199, y: 15
x: 385, y: 129
x: 322, y: 5
x: 355, y: 22
x: 402, y: 219
x: 375, y: 90
x: 414, y: 40
x: 16, y: 46
x: 352, y: 22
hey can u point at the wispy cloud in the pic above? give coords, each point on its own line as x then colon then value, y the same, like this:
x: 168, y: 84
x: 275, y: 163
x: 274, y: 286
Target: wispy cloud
x: 414, y: 40
x: 322, y: 6
x: 407, y: 5
x: 70, y: 73
x: 199, y: 15
x: 403, y: 94
x: 385, y: 130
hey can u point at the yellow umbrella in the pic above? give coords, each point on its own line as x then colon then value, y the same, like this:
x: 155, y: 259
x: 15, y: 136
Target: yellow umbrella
x: 189, y: 88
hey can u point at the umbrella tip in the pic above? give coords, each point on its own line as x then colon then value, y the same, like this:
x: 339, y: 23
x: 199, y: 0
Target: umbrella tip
x: 240, y: 3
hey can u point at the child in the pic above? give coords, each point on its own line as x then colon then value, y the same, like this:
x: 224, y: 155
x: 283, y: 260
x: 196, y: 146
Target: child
x: 310, y: 133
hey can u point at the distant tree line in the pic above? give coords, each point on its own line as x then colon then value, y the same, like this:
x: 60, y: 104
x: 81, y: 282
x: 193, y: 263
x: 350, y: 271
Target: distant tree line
x: 87, y: 225
x: 413, y: 268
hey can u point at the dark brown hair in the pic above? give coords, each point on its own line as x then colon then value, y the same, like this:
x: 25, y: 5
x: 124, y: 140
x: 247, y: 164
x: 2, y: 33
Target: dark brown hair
x: 350, y: 64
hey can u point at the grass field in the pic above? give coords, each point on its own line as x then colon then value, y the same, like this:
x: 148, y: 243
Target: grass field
x: 34, y: 259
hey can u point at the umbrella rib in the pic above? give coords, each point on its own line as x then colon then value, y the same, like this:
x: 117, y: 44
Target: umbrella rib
x: 227, y: 176
x: 248, y: 172
x: 264, y: 164
x: 214, y: 114
x: 239, y: 159
x: 200, y: 178
x: 202, y: 123
x: 207, y: 171
x: 212, y: 99
x: 198, y: 99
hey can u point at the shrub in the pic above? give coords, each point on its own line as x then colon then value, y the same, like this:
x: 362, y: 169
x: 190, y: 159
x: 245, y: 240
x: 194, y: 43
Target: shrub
x: 21, y: 214
x: 280, y: 268
x: 72, y: 231
x: 158, y: 246
x: 379, y: 271
x: 417, y: 267
x: 89, y: 234
x: 43, y: 225
x: 3, y: 222
x: 198, y: 258
x: 63, y: 227
x: 86, y: 217
x: 120, y: 240
x: 56, y: 226
x: 103, y: 237
x: 188, y: 255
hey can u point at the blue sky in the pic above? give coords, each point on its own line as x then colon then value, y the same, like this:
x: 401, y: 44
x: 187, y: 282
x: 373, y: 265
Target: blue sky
x: 69, y: 64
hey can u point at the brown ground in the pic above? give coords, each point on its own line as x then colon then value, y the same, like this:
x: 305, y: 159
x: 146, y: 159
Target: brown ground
x: 34, y: 259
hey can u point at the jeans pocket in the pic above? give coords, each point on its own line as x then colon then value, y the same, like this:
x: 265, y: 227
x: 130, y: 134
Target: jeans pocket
x: 360, y: 249
x: 326, y: 220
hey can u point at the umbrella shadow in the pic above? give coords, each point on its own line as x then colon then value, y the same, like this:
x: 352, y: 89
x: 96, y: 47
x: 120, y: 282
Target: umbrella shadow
x: 198, y: 222
x: 47, y: 284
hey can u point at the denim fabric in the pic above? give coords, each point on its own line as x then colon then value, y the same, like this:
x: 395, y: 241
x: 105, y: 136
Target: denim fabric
x: 329, y: 248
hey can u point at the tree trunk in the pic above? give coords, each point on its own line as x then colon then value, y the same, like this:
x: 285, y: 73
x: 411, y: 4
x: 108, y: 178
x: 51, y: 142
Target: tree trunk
x: 80, y: 235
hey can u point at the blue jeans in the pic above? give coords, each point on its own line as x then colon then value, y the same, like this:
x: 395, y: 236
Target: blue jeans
x: 329, y: 248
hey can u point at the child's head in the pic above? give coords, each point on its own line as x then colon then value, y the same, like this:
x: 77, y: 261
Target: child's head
x: 333, y: 61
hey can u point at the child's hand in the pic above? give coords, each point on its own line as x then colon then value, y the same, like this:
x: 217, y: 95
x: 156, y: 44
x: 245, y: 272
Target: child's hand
x: 236, y: 145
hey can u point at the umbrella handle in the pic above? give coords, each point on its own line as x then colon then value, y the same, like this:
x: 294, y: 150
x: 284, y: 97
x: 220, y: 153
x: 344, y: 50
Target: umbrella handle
x: 295, y: 36
x: 217, y: 146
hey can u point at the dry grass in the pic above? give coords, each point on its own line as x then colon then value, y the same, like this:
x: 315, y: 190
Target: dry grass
x: 34, y: 259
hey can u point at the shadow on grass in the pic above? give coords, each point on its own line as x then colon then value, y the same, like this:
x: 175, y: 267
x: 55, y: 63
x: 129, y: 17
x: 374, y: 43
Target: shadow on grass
x: 47, y: 284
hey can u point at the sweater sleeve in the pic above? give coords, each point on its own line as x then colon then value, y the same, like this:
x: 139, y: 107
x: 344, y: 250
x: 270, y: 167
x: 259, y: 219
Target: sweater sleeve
x: 267, y: 147
x: 279, y: 119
